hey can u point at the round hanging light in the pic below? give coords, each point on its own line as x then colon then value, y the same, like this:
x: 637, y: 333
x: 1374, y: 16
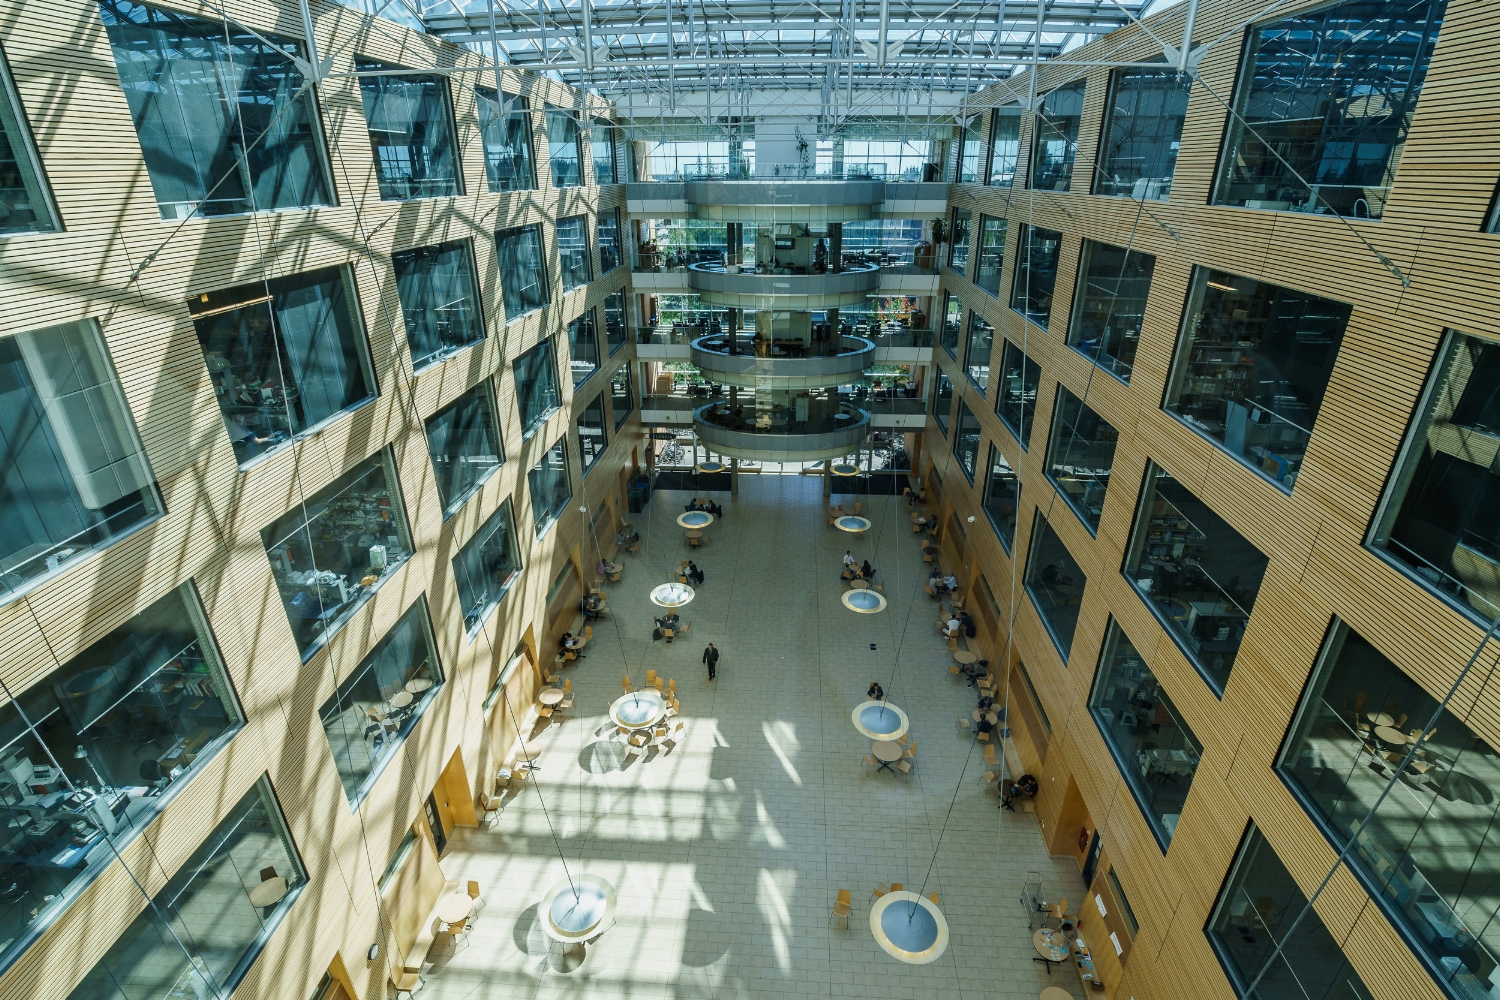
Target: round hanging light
x: 638, y: 709
x: 866, y: 602
x: 844, y: 469
x: 695, y: 519
x: 575, y: 910
x: 708, y: 468
x: 672, y: 595
x: 880, y: 720
x: 909, y: 927
x: 851, y: 522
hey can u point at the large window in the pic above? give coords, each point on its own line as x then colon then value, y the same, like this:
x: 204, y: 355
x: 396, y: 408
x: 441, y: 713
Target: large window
x: 951, y: 323
x: 329, y: 554
x: 608, y: 229
x: 602, y: 143
x: 91, y: 751
x: 583, y: 348
x: 592, y: 437
x: 981, y: 344
x: 621, y: 396
x: 505, y: 129
x: 551, y: 489
x: 284, y: 355
x: 1323, y: 106
x: 1142, y: 133
x: 1005, y: 144
x: 1036, y: 273
x: 439, y: 300
x: 537, y: 395
x: 25, y: 203
x: 966, y: 440
x: 1252, y: 363
x: 523, y: 270
x: 1015, y: 403
x: 208, y: 922
x: 616, y: 333
x: 958, y: 250
x: 564, y: 148
x: 1113, y: 284
x: 970, y: 165
x: 1056, y: 142
x: 76, y: 476
x: 371, y: 712
x: 487, y: 565
x: 573, y: 251
x: 1055, y: 582
x: 1002, y: 497
x: 411, y: 133
x: 942, y: 402
x: 1196, y: 573
x: 1080, y: 454
x: 1255, y: 913
x: 1152, y: 744
x: 225, y: 120
x: 464, y: 446
x: 1428, y: 854
x: 991, y: 254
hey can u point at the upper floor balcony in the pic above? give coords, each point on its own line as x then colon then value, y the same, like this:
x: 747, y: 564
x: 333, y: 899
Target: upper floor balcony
x: 782, y: 363
x: 813, y: 201
x: 806, y: 431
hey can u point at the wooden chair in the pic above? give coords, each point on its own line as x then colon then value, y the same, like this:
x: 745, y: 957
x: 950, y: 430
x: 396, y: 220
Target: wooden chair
x: 650, y: 676
x: 545, y: 711
x: 982, y: 737
x: 989, y: 754
x: 686, y: 628
x: 903, y: 738
x: 934, y: 897
x: 476, y: 896
x: 911, y: 748
x: 672, y: 686
x: 965, y: 725
x: 871, y: 761
x: 897, y: 886
x: 903, y: 766
x: 668, y: 634
x: 625, y: 683
x: 635, y: 548
x: 489, y: 805
x: 953, y: 643
x: 858, y: 508
x: 588, y: 631
x: 880, y: 890
x: 657, y: 684
x: 613, y: 578
x: 841, y: 907
x: 953, y: 669
x: 989, y: 777
x: 693, y: 543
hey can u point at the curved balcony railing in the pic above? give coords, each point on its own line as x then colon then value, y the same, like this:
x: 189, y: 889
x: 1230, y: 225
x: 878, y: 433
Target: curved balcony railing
x: 747, y: 290
x: 830, y: 430
x: 790, y: 364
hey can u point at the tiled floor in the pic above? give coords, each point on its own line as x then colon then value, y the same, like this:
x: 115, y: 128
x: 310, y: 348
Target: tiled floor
x: 728, y: 851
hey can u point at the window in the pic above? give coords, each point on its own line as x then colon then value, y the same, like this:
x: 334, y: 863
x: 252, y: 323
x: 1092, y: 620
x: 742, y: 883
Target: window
x: 165, y: 949
x: 1142, y: 133
x: 564, y: 148
x: 602, y: 142
x: 592, y: 439
x: 25, y: 202
x: 1113, y: 285
x: 616, y: 335
x: 966, y: 440
x: 1252, y: 363
x: 411, y: 133
x: 1255, y: 911
x: 1152, y: 745
x: 363, y: 726
x: 1055, y: 583
x: 76, y: 476
x: 464, y: 446
x: 991, y: 254
x: 1002, y: 498
x: 1056, y: 142
x: 505, y: 129
x: 1079, y: 456
x: 608, y: 228
x: 1036, y: 273
x: 942, y: 402
x: 1016, y: 402
x: 225, y: 120
x: 551, y: 489
x: 958, y: 252
x: 953, y: 315
x: 76, y: 760
x: 329, y: 554
x: 1131, y: 924
x: 537, y: 395
x: 1196, y: 573
x: 1033, y: 698
x: 1323, y: 105
x: 1427, y: 855
x: 523, y: 270
x: 487, y: 565
x: 981, y: 343
x: 573, y: 251
x: 284, y: 356
x: 583, y: 348
x: 439, y: 300
x: 970, y: 166
x: 1005, y: 144
x: 621, y: 398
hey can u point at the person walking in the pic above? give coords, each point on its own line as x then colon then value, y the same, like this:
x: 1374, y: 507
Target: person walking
x: 711, y: 657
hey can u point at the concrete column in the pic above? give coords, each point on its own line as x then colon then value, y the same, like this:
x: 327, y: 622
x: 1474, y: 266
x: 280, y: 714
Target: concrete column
x: 836, y: 247
x: 828, y: 478
x: 734, y: 477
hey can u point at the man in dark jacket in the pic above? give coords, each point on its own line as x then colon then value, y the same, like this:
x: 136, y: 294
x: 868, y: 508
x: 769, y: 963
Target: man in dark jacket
x: 711, y: 657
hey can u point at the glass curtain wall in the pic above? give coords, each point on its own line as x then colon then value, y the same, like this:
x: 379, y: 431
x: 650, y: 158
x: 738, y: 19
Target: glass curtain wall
x: 487, y: 565
x: 224, y: 123
x: 1056, y: 584
x: 505, y: 130
x: 1252, y: 364
x: 439, y: 300
x: 551, y: 489
x: 25, y: 203
x: 583, y: 348
x: 1056, y: 142
x: 1002, y: 497
x: 602, y: 145
x: 1005, y: 144
x: 1036, y: 273
x: 573, y: 251
x: 1196, y: 573
x: 951, y: 324
x: 958, y: 250
x: 331, y: 553
x: 887, y: 159
x: 464, y: 446
x: 411, y: 133
x: 977, y: 357
x: 608, y: 231
x: 966, y: 440
x: 1080, y: 454
x: 1015, y: 404
x: 564, y: 147
x: 537, y: 395
x: 523, y: 270
x: 991, y: 254
x: 1142, y: 133
x: 942, y: 402
x: 616, y: 335
x: 970, y: 164
x: 1323, y: 106
x: 621, y: 396
x: 1113, y: 284
x: 592, y: 437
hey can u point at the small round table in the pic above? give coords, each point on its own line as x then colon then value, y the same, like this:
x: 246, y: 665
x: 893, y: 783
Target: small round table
x: 1390, y: 734
x: 1051, y: 944
x: 915, y: 516
x: 527, y: 753
x: 1054, y: 993
x: 418, y: 684
x: 454, y: 907
x: 859, y: 584
x: 550, y: 696
x: 886, y: 751
x: 1380, y: 719
x: 401, y: 699
x: 963, y: 656
x: 987, y: 716
x: 269, y: 892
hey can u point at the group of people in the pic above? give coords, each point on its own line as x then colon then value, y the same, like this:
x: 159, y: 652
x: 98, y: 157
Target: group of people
x: 857, y: 570
x: 959, y: 623
x: 708, y: 506
x: 941, y: 584
x: 627, y: 539
x: 569, y: 643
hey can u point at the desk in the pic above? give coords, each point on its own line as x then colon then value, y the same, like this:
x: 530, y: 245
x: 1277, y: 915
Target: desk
x: 269, y: 892
x: 418, y: 684
x: 454, y: 907
x: 401, y: 699
x: 990, y: 717
x: 550, y: 696
x: 1051, y: 944
x: 886, y: 751
x: 963, y: 656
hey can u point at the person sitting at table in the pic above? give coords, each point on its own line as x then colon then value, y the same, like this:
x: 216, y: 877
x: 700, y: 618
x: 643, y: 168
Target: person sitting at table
x: 623, y: 540
x: 985, y: 701
x: 985, y: 725
x: 950, y: 583
x: 953, y: 626
x: 715, y: 509
x: 668, y: 620
x: 866, y: 571
x: 875, y: 692
x: 694, y: 574
x: 691, y: 505
x: 935, y: 578
x: 849, y: 561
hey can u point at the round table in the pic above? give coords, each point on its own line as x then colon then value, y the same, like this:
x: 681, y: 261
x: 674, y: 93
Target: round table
x: 841, y: 416
x: 401, y: 699
x: 859, y: 584
x: 1380, y: 719
x: 886, y: 750
x: 454, y: 907
x: 1051, y: 944
x: 638, y: 709
x: 269, y: 892
x: 915, y: 516
x: 695, y: 534
x: 550, y: 696
x: 980, y: 713
x: 418, y: 684
x: 964, y: 656
x: 1390, y: 734
x: 909, y: 927
x: 1054, y: 993
x: 528, y: 753
x: 880, y: 720
x: 696, y: 519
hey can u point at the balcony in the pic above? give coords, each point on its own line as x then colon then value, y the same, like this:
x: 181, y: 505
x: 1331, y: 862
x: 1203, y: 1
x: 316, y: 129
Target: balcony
x: 718, y: 285
x: 816, y: 201
x: 791, y: 364
x: 830, y: 430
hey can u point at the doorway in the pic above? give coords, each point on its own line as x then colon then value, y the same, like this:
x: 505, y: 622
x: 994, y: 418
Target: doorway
x: 1091, y: 861
x: 435, y: 823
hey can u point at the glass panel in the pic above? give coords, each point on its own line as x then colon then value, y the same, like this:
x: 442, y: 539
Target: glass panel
x: 573, y: 251
x: 202, y: 931
x: 1005, y: 144
x: 981, y: 343
x: 1252, y: 363
x: 616, y: 335
x: 537, y: 395
x: 1428, y: 854
x: 1330, y: 94
x: 966, y: 440
x: 411, y: 133
x: 330, y: 553
x: 464, y: 446
x: 958, y: 252
x: 1002, y: 498
x: 971, y: 157
x: 1017, y: 397
x: 364, y: 727
x: 1055, y: 583
x: 942, y: 402
x: 487, y: 565
x: 1112, y: 289
x: 953, y: 315
x: 1255, y: 911
x: 1196, y: 572
x: 602, y: 142
x: 25, y: 206
x: 991, y: 254
x: 509, y: 161
x: 75, y: 474
x: 284, y: 356
x: 1131, y: 924
x: 1154, y: 748
x: 1056, y: 142
x: 609, y: 240
x: 551, y: 489
x: 523, y: 270
x: 563, y: 148
x: 1080, y: 455
x: 583, y: 348
x: 1036, y: 701
x: 592, y: 438
x: 439, y: 300
x: 621, y: 398
x: 1036, y: 273
x: 224, y: 122
x: 1142, y: 133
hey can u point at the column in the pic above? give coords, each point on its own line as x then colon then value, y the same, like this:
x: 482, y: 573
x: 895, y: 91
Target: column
x: 835, y: 247
x: 828, y: 478
x: 734, y: 476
